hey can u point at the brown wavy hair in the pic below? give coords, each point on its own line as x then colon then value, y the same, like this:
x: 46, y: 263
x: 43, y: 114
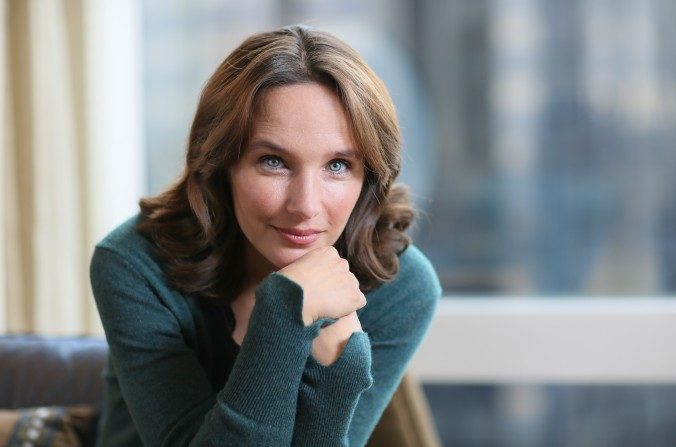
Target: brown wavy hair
x: 192, y: 224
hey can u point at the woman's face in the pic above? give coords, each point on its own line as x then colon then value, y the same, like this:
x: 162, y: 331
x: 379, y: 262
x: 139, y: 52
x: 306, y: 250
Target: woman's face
x: 299, y: 177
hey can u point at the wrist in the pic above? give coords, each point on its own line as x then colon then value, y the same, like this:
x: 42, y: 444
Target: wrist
x: 307, y: 314
x: 331, y: 341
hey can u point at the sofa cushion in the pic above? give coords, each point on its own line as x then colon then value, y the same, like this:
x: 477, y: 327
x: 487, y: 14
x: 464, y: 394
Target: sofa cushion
x: 48, y: 426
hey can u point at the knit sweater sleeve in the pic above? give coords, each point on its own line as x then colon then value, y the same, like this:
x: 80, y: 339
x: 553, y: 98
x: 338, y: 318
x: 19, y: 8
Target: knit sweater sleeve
x: 168, y: 393
x: 332, y: 409
x: 328, y: 395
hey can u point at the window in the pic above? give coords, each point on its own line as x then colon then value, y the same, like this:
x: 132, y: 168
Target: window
x: 539, y: 140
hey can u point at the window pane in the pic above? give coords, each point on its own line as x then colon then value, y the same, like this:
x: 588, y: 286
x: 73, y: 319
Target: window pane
x: 553, y: 415
x: 556, y: 145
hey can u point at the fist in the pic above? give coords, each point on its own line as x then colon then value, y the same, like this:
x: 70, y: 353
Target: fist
x: 329, y: 288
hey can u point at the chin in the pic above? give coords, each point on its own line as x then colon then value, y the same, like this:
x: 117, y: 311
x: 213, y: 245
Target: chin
x: 286, y: 256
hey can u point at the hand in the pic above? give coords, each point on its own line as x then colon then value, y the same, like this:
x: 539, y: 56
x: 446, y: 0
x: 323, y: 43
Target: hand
x: 330, y: 343
x: 329, y: 288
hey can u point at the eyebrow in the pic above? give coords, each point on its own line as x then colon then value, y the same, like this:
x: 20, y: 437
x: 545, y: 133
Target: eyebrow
x: 266, y: 144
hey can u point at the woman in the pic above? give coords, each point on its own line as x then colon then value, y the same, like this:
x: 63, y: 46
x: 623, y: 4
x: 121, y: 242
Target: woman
x: 234, y: 302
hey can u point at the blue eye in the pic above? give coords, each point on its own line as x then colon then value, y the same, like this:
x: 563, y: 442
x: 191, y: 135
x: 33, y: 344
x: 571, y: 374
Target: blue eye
x: 338, y: 166
x: 271, y: 162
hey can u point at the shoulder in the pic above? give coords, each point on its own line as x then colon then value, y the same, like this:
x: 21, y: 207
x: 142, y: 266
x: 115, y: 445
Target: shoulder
x: 415, y: 281
x: 124, y: 252
x: 417, y: 273
x: 412, y: 295
x: 124, y: 274
x: 124, y: 237
x: 126, y: 242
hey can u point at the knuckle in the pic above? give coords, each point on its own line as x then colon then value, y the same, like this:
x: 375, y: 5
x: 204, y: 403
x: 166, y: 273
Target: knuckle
x: 362, y: 300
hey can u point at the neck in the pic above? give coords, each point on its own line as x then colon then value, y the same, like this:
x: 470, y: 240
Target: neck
x: 256, y: 267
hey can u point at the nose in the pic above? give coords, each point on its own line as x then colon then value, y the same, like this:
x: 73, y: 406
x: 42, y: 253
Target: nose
x: 304, y: 196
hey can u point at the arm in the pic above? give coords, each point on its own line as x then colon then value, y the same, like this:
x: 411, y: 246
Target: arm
x: 169, y: 395
x: 396, y: 319
x: 328, y: 394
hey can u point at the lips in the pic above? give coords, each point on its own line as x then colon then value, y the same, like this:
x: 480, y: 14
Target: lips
x: 298, y: 236
x: 298, y: 232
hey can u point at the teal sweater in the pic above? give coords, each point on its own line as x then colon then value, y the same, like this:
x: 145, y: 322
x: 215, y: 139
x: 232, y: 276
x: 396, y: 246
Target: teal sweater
x: 176, y: 377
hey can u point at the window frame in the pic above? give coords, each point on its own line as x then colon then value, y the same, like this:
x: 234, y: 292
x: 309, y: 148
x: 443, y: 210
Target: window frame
x: 553, y: 340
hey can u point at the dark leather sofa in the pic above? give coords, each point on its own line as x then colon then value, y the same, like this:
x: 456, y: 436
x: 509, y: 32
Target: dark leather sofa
x: 39, y: 371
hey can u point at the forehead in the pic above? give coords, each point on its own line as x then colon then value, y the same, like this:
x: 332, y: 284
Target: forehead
x: 301, y: 115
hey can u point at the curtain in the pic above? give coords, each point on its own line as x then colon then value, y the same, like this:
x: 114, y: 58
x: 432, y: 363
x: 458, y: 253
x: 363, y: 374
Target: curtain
x: 46, y: 243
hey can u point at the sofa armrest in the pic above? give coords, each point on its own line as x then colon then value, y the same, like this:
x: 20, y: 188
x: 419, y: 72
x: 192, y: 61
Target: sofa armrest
x: 47, y: 371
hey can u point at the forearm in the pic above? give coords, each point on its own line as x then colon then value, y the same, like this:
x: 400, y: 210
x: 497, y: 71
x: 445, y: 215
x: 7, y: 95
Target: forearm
x: 263, y: 385
x: 328, y: 395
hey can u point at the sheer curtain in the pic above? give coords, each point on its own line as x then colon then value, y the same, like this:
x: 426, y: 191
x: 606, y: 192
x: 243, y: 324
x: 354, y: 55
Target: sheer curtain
x: 61, y: 190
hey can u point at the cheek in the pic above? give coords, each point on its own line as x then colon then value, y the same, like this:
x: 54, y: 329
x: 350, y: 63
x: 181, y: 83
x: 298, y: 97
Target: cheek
x: 255, y: 198
x: 343, y: 201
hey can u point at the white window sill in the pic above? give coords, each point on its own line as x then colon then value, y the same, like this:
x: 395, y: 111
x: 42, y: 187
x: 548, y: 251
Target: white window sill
x: 554, y: 340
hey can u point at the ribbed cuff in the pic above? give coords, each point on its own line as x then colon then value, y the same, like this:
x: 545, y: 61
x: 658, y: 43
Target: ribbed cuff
x: 350, y: 373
